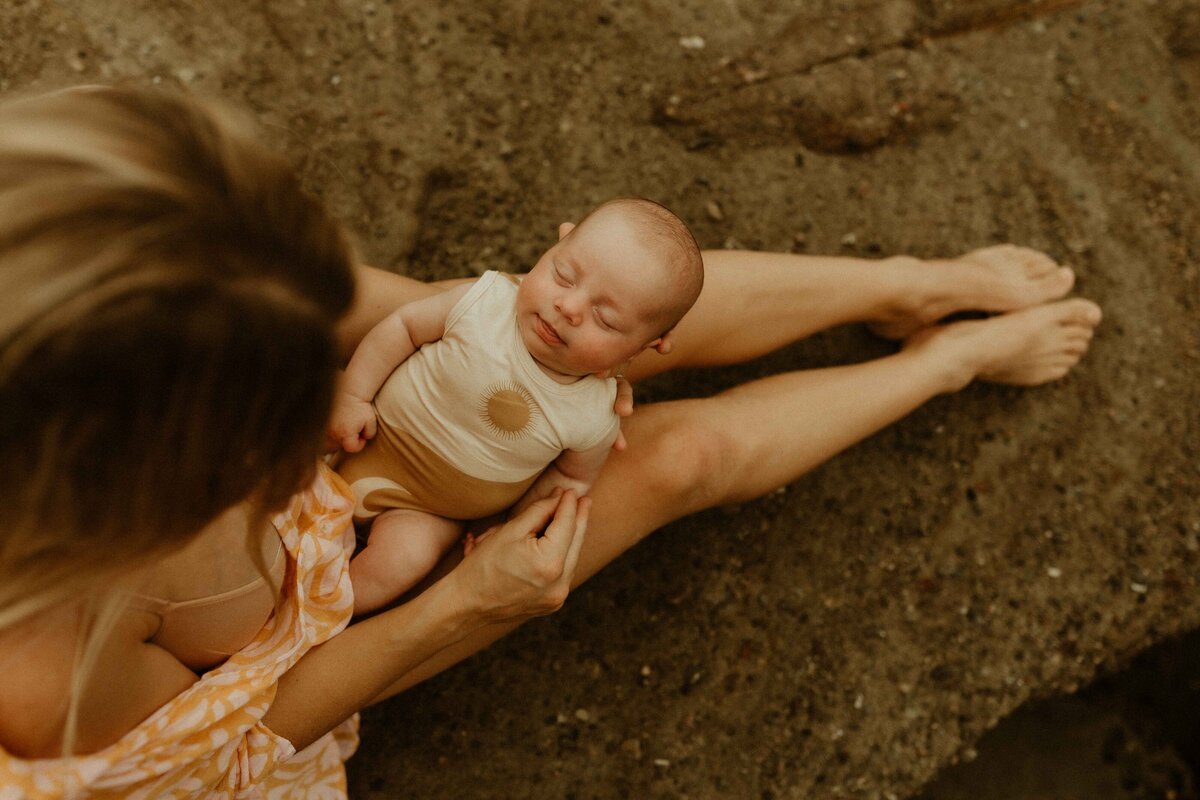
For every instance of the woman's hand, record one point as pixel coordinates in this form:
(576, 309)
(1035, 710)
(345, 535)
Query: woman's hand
(524, 567)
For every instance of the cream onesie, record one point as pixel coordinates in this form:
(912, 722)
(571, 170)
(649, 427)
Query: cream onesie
(468, 422)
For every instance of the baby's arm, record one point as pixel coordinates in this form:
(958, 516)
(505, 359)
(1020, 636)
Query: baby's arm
(384, 348)
(573, 469)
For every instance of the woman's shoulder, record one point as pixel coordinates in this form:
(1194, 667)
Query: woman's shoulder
(35, 680)
(127, 681)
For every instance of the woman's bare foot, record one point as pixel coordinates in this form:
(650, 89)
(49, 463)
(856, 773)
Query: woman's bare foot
(1025, 348)
(1000, 278)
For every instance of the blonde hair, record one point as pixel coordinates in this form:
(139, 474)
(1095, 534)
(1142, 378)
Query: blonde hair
(167, 342)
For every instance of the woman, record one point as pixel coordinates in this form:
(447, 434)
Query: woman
(173, 586)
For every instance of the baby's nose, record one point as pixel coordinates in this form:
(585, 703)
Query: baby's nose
(571, 306)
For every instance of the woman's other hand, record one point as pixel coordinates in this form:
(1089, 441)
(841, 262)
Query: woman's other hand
(524, 567)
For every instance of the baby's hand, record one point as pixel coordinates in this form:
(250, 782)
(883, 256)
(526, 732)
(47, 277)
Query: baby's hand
(352, 422)
(470, 541)
(623, 407)
(623, 403)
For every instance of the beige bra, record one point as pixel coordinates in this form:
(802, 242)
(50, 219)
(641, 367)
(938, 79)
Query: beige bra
(204, 631)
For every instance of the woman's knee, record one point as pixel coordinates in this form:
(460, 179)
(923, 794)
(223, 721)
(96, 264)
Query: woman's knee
(693, 461)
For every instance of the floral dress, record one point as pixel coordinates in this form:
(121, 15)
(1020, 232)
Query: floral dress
(209, 741)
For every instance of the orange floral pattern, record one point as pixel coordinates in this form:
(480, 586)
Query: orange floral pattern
(209, 741)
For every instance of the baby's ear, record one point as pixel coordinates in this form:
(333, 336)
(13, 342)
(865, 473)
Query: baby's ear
(662, 345)
(564, 228)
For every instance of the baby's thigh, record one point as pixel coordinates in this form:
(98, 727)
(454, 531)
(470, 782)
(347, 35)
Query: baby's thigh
(410, 534)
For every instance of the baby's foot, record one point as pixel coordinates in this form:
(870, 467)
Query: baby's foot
(1024, 348)
(1000, 278)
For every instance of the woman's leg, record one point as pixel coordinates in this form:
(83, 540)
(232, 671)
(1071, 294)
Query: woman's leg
(689, 455)
(753, 303)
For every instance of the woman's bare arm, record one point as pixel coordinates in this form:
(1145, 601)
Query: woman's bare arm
(513, 574)
(339, 677)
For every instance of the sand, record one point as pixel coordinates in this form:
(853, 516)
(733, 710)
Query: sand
(854, 633)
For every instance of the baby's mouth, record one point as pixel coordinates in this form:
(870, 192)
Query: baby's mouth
(546, 332)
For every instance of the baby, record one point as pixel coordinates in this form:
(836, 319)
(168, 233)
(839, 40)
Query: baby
(502, 391)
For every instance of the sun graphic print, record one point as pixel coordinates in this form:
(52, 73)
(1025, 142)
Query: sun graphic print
(508, 409)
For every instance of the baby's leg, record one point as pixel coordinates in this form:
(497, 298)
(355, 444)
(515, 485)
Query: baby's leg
(404, 545)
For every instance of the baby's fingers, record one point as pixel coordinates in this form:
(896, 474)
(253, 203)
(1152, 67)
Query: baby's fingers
(581, 522)
(623, 404)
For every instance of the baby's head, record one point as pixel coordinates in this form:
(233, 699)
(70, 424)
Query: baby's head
(613, 285)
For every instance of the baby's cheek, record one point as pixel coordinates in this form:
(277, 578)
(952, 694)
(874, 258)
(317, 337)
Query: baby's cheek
(614, 356)
(587, 356)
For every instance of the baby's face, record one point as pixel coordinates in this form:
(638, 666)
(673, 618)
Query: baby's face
(594, 300)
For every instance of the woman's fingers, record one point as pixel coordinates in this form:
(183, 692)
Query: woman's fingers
(525, 567)
(534, 517)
